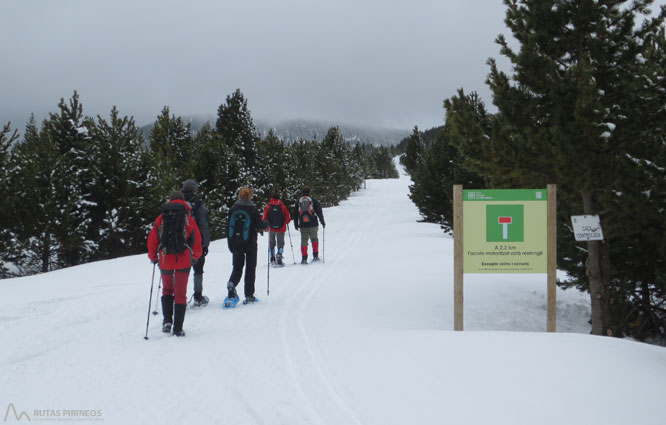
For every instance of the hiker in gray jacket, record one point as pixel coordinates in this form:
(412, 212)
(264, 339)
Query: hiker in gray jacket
(200, 214)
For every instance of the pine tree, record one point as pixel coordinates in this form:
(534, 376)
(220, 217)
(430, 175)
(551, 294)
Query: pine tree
(414, 151)
(384, 165)
(36, 177)
(126, 187)
(235, 127)
(277, 171)
(212, 174)
(333, 181)
(74, 174)
(571, 114)
(9, 202)
(444, 165)
(172, 145)
(304, 157)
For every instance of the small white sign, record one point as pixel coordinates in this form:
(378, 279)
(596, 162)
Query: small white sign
(587, 228)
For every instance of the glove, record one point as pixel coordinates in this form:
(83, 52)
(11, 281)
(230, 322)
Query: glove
(155, 261)
(194, 261)
(204, 251)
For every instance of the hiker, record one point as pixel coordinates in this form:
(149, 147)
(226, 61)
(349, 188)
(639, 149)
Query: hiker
(308, 209)
(242, 228)
(175, 252)
(200, 214)
(277, 216)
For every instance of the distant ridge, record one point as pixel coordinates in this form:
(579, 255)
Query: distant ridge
(294, 130)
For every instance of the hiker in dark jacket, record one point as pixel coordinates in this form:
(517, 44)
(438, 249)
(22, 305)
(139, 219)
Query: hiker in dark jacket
(308, 210)
(277, 216)
(244, 251)
(175, 268)
(200, 214)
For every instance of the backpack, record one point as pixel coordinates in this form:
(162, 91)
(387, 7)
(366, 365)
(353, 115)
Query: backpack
(196, 204)
(275, 217)
(239, 226)
(173, 232)
(305, 210)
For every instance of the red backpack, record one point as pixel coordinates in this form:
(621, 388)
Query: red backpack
(305, 211)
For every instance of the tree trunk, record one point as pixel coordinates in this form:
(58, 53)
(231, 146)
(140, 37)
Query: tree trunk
(46, 253)
(611, 325)
(597, 301)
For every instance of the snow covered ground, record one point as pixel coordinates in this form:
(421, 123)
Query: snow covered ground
(365, 338)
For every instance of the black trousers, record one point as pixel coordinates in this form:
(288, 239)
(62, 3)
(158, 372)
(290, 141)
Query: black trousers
(245, 256)
(198, 267)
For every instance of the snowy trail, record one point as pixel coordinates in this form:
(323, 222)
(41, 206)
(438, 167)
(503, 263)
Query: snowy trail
(364, 339)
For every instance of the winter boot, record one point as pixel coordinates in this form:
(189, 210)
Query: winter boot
(231, 290)
(249, 300)
(179, 318)
(167, 311)
(304, 260)
(315, 256)
(279, 259)
(200, 300)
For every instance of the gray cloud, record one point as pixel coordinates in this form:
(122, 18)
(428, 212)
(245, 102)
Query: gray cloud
(378, 63)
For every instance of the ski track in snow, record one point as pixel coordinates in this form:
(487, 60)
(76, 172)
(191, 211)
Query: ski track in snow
(293, 344)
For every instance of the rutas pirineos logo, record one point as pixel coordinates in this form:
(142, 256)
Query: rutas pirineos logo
(17, 416)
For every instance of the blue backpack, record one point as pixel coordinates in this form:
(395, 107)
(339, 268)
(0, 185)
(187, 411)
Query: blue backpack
(239, 227)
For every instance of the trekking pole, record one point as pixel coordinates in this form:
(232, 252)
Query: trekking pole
(150, 300)
(268, 273)
(291, 244)
(323, 247)
(157, 295)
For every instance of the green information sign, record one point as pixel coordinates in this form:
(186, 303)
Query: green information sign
(505, 231)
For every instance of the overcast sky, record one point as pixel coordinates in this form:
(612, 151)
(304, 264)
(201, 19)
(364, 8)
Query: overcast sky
(384, 63)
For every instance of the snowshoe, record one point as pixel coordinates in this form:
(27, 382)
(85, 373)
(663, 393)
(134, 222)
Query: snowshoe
(230, 302)
(166, 327)
(200, 300)
(179, 332)
(250, 300)
(316, 259)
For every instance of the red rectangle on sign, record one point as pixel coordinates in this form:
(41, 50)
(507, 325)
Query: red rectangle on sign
(504, 220)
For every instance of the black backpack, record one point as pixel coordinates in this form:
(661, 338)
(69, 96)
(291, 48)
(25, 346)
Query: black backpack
(173, 232)
(196, 204)
(275, 217)
(305, 212)
(239, 227)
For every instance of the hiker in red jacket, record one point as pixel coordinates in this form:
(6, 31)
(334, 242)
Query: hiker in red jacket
(277, 216)
(175, 256)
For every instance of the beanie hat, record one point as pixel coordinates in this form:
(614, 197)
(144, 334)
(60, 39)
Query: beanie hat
(306, 191)
(190, 185)
(276, 195)
(176, 195)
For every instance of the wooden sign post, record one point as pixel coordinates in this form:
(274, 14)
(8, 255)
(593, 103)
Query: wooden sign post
(505, 231)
